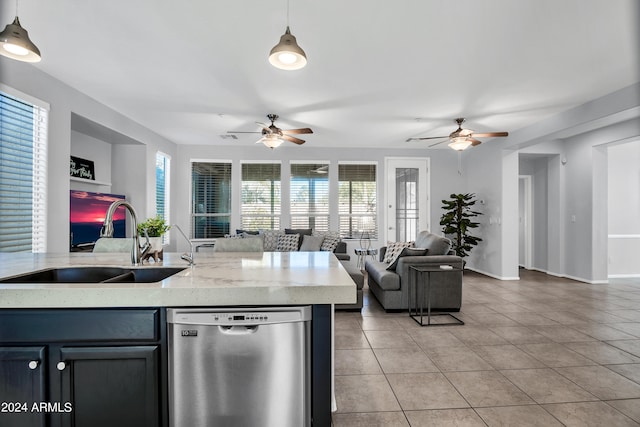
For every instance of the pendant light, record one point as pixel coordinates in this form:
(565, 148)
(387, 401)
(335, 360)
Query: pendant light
(287, 55)
(15, 43)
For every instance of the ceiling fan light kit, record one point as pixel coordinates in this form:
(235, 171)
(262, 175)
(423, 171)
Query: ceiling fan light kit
(287, 55)
(460, 143)
(271, 140)
(15, 43)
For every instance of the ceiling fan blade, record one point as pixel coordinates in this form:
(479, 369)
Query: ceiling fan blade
(265, 127)
(423, 139)
(438, 143)
(297, 131)
(293, 139)
(488, 134)
(474, 141)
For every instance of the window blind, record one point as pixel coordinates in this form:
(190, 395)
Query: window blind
(357, 200)
(163, 169)
(23, 176)
(310, 196)
(210, 199)
(261, 205)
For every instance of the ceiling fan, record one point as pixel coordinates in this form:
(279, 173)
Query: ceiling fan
(273, 136)
(461, 139)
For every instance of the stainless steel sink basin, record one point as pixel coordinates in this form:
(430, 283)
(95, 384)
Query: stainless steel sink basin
(95, 275)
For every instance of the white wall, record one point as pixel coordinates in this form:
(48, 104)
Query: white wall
(573, 141)
(64, 100)
(624, 209)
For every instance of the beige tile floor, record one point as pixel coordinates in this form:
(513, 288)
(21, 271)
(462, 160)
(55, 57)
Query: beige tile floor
(541, 351)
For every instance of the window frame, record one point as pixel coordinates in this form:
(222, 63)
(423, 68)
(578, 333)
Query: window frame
(38, 165)
(354, 233)
(193, 215)
(322, 210)
(166, 190)
(275, 202)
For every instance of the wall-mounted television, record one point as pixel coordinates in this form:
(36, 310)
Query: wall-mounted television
(87, 211)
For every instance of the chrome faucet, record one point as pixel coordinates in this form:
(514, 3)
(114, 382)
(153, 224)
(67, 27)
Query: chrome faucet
(187, 257)
(137, 251)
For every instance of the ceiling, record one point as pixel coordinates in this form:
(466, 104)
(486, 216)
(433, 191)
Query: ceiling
(378, 72)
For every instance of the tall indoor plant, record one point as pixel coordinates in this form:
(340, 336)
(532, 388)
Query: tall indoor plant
(457, 222)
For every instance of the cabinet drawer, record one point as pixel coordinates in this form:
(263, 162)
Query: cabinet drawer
(33, 326)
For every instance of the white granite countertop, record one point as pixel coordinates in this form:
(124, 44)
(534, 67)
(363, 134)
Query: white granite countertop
(225, 279)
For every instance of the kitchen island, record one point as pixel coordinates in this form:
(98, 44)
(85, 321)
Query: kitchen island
(54, 325)
(220, 279)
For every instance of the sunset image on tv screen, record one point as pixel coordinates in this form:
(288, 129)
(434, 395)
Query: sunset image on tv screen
(87, 211)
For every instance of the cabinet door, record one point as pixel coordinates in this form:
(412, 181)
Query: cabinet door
(110, 386)
(22, 382)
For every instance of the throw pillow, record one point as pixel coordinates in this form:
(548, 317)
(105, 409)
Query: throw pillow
(331, 240)
(247, 232)
(287, 243)
(311, 243)
(271, 239)
(300, 231)
(394, 249)
(407, 252)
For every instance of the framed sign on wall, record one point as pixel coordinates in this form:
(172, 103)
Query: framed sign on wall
(82, 168)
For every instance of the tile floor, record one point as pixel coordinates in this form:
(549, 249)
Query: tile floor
(541, 351)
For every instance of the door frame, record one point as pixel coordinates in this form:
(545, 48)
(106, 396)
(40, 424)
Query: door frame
(390, 163)
(528, 220)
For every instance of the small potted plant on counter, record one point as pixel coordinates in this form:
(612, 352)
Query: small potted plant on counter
(155, 227)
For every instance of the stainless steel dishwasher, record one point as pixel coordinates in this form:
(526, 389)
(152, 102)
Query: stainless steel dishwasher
(239, 367)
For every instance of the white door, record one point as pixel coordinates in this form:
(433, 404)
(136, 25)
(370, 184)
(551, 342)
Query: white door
(406, 198)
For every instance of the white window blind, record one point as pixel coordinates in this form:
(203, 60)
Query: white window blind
(210, 199)
(261, 206)
(357, 200)
(163, 171)
(310, 196)
(23, 176)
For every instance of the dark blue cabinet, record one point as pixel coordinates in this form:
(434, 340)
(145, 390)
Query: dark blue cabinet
(22, 381)
(83, 368)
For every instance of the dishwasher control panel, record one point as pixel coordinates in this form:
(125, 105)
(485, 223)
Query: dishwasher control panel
(231, 317)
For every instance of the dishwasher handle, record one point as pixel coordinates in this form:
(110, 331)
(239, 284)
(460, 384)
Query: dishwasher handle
(238, 329)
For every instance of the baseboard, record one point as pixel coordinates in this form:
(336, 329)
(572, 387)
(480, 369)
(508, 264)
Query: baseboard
(484, 273)
(577, 279)
(550, 273)
(583, 280)
(623, 276)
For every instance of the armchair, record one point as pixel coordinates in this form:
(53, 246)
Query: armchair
(391, 287)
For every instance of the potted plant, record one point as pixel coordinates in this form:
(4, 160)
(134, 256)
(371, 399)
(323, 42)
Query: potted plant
(155, 227)
(457, 222)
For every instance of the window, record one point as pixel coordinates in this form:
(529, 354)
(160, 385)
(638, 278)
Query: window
(163, 166)
(23, 175)
(210, 200)
(407, 207)
(310, 196)
(260, 207)
(357, 195)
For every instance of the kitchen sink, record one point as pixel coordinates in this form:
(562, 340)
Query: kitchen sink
(95, 275)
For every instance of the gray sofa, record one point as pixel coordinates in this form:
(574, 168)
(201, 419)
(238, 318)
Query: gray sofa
(391, 288)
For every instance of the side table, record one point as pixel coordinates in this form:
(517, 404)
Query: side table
(421, 278)
(362, 255)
